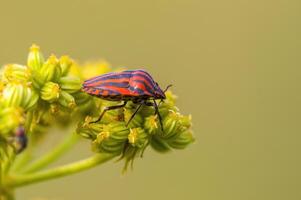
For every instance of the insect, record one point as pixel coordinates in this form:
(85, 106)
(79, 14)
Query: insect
(131, 85)
(19, 140)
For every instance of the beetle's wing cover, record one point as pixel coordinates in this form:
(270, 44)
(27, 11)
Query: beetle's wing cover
(120, 79)
(115, 83)
(141, 83)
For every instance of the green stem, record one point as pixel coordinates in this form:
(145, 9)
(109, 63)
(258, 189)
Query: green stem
(72, 168)
(54, 154)
(6, 194)
(22, 160)
(7, 162)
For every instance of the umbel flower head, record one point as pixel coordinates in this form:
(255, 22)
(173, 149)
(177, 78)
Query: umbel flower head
(111, 134)
(47, 91)
(41, 91)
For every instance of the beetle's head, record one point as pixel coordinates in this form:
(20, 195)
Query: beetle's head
(159, 93)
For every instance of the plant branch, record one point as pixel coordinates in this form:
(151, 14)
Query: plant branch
(54, 154)
(22, 160)
(65, 170)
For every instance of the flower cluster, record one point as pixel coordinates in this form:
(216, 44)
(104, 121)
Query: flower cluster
(39, 93)
(48, 91)
(112, 135)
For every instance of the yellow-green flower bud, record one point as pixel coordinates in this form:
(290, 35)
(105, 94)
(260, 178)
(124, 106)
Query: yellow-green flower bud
(65, 63)
(51, 70)
(13, 94)
(85, 133)
(137, 137)
(66, 99)
(87, 108)
(35, 58)
(152, 125)
(16, 73)
(172, 125)
(16, 94)
(144, 111)
(70, 84)
(10, 118)
(111, 115)
(186, 121)
(82, 97)
(89, 130)
(170, 97)
(129, 155)
(37, 80)
(182, 140)
(50, 92)
(30, 98)
(168, 104)
(112, 138)
(159, 144)
(85, 102)
(137, 121)
(167, 107)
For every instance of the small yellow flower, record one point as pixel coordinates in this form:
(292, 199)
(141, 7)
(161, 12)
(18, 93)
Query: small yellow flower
(50, 91)
(10, 118)
(137, 137)
(151, 124)
(111, 138)
(102, 136)
(16, 73)
(132, 136)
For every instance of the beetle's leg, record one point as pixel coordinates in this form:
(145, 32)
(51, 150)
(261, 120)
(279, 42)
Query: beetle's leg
(162, 101)
(109, 108)
(142, 102)
(133, 115)
(156, 111)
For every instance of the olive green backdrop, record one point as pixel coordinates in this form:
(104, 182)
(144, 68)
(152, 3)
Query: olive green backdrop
(235, 66)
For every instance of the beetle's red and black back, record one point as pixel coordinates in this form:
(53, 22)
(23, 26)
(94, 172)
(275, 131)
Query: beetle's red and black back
(128, 85)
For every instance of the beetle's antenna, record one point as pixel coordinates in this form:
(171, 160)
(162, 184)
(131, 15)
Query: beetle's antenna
(167, 87)
(162, 100)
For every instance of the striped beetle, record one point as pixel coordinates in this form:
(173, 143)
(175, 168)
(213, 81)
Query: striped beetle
(131, 85)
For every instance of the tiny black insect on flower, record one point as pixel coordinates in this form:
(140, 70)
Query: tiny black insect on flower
(19, 140)
(131, 85)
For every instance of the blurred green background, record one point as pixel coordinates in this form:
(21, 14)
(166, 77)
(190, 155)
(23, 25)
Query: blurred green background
(235, 66)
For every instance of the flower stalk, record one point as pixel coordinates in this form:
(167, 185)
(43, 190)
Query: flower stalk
(53, 155)
(15, 181)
